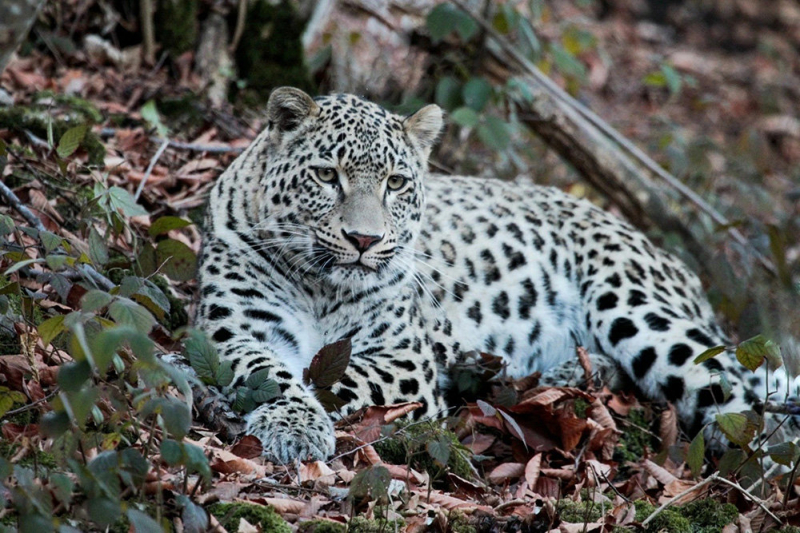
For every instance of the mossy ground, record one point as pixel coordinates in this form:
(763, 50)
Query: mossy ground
(411, 439)
(229, 515)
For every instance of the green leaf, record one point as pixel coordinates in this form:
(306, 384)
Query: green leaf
(51, 328)
(61, 486)
(193, 516)
(98, 250)
(6, 225)
(244, 402)
(105, 511)
(329, 401)
(105, 344)
(71, 140)
(466, 27)
(165, 224)
(567, 63)
(81, 403)
(785, 453)
(708, 354)
(54, 423)
(441, 21)
(370, 484)
(255, 379)
(171, 452)
(177, 417)
(736, 427)
(58, 262)
(123, 201)
(21, 264)
(50, 240)
(266, 391)
(146, 293)
(142, 523)
(752, 352)
(655, 79)
(202, 355)
(72, 376)
(329, 364)
(476, 93)
(150, 114)
(94, 300)
(178, 260)
(128, 313)
(448, 93)
(196, 460)
(672, 79)
(439, 450)
(225, 374)
(495, 133)
(8, 398)
(465, 116)
(696, 454)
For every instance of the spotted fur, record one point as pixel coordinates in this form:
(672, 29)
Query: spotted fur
(328, 226)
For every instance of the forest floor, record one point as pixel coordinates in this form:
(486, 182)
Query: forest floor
(110, 162)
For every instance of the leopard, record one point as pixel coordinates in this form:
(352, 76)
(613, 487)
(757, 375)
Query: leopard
(330, 226)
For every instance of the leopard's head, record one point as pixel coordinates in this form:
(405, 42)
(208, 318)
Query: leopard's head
(342, 195)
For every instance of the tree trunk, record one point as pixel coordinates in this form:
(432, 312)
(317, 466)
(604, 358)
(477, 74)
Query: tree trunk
(16, 19)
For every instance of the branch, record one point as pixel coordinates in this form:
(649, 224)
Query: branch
(591, 127)
(16, 204)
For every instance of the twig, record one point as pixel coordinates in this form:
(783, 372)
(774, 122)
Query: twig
(560, 95)
(710, 479)
(241, 18)
(757, 501)
(713, 477)
(212, 149)
(17, 205)
(153, 161)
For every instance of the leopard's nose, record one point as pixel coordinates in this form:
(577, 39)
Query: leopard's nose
(360, 241)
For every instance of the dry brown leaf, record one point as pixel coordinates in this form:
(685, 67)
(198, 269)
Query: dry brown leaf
(450, 503)
(601, 415)
(506, 472)
(479, 442)
(533, 469)
(368, 455)
(580, 528)
(560, 473)
(586, 365)
(284, 505)
(668, 428)
(679, 486)
(660, 473)
(314, 470)
(572, 429)
(548, 397)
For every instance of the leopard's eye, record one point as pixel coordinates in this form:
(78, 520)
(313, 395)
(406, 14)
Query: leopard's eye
(395, 183)
(326, 174)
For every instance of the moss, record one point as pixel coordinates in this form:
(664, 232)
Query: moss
(20, 119)
(667, 520)
(34, 457)
(229, 515)
(359, 524)
(788, 529)
(709, 516)
(634, 441)
(458, 523)
(270, 53)
(321, 526)
(414, 437)
(176, 25)
(578, 512)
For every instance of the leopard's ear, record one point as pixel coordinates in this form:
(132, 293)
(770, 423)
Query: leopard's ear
(288, 107)
(425, 125)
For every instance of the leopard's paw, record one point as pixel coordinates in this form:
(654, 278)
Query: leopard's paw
(290, 431)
